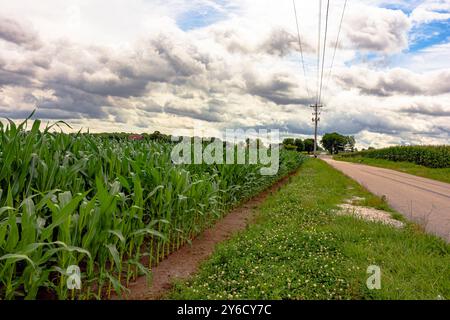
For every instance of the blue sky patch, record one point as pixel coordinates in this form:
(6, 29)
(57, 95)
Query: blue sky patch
(426, 35)
(406, 9)
(199, 18)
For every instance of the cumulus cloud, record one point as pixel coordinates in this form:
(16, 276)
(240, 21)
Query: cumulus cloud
(395, 81)
(242, 71)
(377, 29)
(13, 78)
(433, 110)
(277, 41)
(430, 11)
(352, 123)
(212, 111)
(279, 89)
(19, 34)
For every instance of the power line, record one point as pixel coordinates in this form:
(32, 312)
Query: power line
(301, 48)
(336, 45)
(318, 52)
(324, 50)
(316, 106)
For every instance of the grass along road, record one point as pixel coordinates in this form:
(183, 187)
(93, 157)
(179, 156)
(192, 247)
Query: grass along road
(422, 200)
(440, 174)
(300, 249)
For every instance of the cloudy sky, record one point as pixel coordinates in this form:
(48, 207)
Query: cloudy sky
(145, 65)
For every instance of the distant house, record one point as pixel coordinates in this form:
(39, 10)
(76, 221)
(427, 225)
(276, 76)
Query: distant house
(135, 137)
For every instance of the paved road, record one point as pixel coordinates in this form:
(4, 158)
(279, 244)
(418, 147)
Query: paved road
(422, 200)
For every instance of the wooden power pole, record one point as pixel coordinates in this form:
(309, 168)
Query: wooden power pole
(316, 119)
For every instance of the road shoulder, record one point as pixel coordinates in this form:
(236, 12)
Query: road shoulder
(299, 248)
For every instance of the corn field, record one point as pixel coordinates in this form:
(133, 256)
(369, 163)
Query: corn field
(113, 207)
(428, 156)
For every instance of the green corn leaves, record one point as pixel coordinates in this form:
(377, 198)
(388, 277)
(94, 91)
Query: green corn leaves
(105, 204)
(428, 156)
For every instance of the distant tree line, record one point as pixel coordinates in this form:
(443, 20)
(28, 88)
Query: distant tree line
(335, 143)
(160, 137)
(299, 145)
(332, 142)
(156, 136)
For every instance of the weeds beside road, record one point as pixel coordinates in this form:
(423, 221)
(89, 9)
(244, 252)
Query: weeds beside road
(300, 249)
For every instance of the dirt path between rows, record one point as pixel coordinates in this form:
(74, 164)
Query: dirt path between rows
(185, 261)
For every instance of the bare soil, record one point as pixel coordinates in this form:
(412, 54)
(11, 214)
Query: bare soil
(369, 214)
(183, 263)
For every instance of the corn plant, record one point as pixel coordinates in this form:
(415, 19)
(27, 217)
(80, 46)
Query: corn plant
(112, 207)
(428, 156)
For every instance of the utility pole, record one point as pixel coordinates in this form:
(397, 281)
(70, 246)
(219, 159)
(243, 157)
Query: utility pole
(316, 119)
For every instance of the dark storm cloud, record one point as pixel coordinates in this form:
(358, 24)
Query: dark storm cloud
(121, 78)
(157, 61)
(13, 78)
(432, 110)
(66, 81)
(14, 32)
(395, 81)
(50, 114)
(298, 127)
(84, 82)
(387, 86)
(13, 113)
(149, 106)
(348, 124)
(88, 81)
(123, 87)
(214, 112)
(76, 102)
(353, 123)
(278, 89)
(443, 130)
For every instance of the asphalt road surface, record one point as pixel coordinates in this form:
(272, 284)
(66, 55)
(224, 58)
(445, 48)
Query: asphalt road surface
(425, 201)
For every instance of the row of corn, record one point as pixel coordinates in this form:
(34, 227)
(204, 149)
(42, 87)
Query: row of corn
(111, 207)
(428, 156)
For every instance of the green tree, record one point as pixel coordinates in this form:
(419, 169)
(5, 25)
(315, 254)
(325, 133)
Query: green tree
(334, 142)
(308, 145)
(288, 141)
(289, 144)
(300, 145)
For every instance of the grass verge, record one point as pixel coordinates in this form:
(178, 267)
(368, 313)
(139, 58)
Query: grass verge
(299, 249)
(440, 174)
